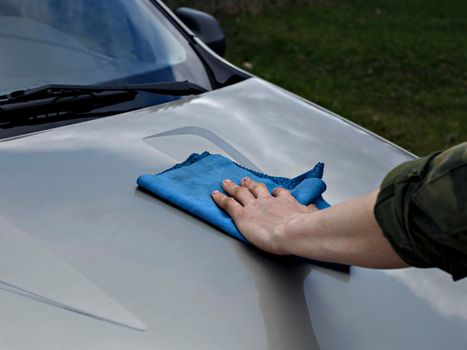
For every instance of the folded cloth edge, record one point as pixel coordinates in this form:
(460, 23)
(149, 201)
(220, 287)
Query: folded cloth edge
(316, 172)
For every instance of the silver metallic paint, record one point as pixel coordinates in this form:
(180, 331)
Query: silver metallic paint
(73, 189)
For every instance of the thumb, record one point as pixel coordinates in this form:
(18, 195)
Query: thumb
(312, 208)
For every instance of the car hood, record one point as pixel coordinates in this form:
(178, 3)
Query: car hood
(88, 261)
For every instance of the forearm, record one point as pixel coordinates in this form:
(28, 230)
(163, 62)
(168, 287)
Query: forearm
(346, 233)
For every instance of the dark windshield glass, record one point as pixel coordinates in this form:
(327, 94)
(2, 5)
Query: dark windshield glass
(91, 42)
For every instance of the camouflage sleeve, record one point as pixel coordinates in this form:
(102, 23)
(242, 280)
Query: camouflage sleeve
(422, 210)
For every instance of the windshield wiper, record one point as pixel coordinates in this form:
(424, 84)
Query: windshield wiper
(173, 88)
(55, 101)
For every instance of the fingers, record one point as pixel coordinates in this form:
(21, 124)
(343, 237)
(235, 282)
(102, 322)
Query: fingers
(279, 191)
(237, 197)
(258, 189)
(230, 205)
(240, 193)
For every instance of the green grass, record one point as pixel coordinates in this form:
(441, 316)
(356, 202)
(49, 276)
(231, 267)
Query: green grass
(396, 67)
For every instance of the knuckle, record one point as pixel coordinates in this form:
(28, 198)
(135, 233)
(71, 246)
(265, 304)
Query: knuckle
(229, 202)
(238, 190)
(241, 214)
(278, 190)
(223, 201)
(257, 186)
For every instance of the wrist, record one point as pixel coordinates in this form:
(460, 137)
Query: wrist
(298, 232)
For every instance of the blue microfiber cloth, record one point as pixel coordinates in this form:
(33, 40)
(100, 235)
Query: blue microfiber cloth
(189, 184)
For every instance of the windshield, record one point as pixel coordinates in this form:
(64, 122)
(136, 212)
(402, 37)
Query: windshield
(91, 42)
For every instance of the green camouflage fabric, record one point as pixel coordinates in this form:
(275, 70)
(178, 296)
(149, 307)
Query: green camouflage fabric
(422, 210)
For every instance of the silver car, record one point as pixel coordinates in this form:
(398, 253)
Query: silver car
(95, 93)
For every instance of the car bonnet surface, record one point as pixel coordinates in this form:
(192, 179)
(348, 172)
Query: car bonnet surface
(136, 262)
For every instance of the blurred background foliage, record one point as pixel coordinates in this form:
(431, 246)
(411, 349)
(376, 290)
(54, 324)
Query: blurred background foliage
(222, 8)
(396, 67)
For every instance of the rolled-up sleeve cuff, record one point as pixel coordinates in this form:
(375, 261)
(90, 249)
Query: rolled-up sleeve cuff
(392, 206)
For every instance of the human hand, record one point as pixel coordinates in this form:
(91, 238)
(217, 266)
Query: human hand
(265, 219)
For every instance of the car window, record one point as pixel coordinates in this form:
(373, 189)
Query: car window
(91, 42)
